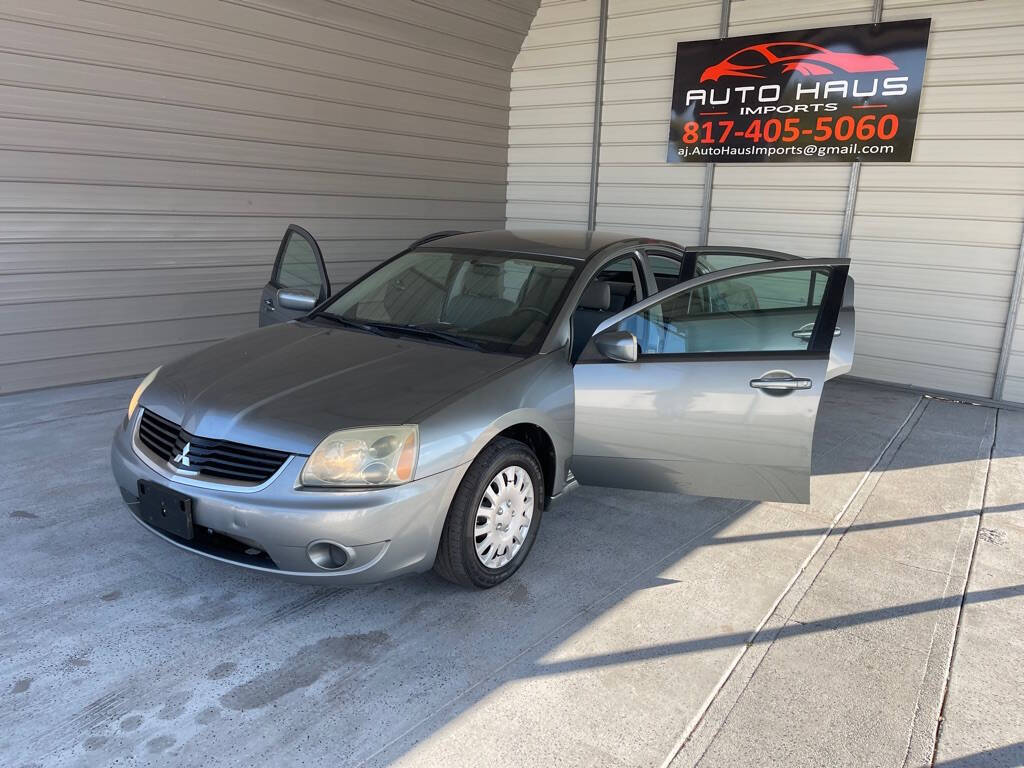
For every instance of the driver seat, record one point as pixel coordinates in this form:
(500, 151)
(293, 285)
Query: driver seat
(594, 307)
(480, 299)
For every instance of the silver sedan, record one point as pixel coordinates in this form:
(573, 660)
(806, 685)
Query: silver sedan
(428, 413)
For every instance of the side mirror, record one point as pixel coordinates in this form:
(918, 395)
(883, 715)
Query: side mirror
(288, 298)
(618, 345)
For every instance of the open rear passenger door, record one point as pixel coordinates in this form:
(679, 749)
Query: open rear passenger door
(712, 387)
(299, 279)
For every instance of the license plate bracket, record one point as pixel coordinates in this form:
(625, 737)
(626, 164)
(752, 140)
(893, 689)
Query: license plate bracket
(166, 509)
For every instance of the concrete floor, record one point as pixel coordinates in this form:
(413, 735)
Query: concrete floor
(644, 630)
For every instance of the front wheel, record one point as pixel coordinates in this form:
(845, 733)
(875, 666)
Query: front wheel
(494, 516)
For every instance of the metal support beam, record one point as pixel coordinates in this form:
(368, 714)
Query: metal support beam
(705, 206)
(854, 183)
(1011, 324)
(723, 19)
(709, 170)
(851, 205)
(595, 151)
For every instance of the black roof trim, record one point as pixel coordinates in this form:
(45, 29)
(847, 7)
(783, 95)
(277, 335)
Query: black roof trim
(743, 251)
(433, 236)
(577, 244)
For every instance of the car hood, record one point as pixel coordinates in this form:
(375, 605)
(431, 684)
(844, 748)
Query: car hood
(288, 386)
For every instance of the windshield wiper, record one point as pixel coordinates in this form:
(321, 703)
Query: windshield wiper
(352, 323)
(432, 333)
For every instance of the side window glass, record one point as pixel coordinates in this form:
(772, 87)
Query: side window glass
(713, 262)
(761, 312)
(622, 276)
(748, 57)
(782, 50)
(666, 269)
(299, 268)
(611, 290)
(819, 279)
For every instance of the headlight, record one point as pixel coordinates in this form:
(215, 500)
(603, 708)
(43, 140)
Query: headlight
(364, 457)
(134, 402)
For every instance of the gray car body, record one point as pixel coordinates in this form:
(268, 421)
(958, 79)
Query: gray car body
(287, 386)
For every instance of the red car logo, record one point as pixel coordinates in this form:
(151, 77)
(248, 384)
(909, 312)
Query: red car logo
(805, 58)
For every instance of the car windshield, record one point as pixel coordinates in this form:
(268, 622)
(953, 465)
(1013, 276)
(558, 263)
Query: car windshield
(491, 301)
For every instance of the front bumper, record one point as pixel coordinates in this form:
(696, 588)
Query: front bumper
(385, 531)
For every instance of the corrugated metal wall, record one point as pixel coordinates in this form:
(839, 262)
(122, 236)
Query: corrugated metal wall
(934, 242)
(153, 151)
(551, 123)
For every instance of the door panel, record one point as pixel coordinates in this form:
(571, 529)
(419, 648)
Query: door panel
(299, 266)
(697, 428)
(723, 397)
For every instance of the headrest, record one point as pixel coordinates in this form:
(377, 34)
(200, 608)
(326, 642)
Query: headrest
(482, 280)
(598, 296)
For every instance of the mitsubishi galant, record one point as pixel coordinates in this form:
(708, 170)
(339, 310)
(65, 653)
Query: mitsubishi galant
(427, 414)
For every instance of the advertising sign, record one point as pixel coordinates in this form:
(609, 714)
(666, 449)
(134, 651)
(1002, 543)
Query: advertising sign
(832, 94)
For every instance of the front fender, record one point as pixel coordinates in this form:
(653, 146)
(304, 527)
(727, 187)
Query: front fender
(537, 391)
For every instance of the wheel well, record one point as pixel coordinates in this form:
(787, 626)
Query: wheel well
(538, 440)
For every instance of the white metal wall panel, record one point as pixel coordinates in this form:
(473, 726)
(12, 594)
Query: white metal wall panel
(552, 117)
(153, 151)
(792, 207)
(639, 191)
(935, 242)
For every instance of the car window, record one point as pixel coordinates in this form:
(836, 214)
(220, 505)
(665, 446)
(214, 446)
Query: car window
(713, 262)
(623, 276)
(783, 50)
(299, 268)
(748, 57)
(667, 269)
(503, 303)
(760, 312)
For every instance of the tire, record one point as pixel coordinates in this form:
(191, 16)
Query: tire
(457, 558)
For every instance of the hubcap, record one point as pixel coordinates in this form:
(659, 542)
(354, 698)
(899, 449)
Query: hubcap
(503, 517)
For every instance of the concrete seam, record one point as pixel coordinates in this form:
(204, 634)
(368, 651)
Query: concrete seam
(963, 597)
(950, 574)
(698, 719)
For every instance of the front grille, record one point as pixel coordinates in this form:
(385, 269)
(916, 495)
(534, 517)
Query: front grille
(210, 457)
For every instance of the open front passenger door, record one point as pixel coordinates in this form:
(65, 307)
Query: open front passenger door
(299, 280)
(712, 387)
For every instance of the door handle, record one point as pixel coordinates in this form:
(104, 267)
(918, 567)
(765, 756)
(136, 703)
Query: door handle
(805, 333)
(781, 384)
(269, 305)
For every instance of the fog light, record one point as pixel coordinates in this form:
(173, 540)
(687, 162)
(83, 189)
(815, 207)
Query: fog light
(327, 555)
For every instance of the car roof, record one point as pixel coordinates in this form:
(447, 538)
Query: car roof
(575, 244)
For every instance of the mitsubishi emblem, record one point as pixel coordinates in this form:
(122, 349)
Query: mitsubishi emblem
(182, 458)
